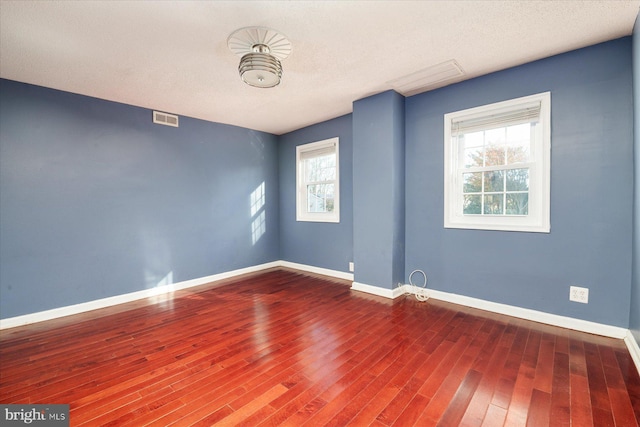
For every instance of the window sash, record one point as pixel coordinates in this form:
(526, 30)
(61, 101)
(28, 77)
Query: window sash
(507, 195)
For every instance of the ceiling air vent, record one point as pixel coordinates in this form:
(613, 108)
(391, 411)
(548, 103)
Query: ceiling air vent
(433, 77)
(165, 119)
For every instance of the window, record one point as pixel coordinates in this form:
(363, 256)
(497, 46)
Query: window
(497, 166)
(318, 185)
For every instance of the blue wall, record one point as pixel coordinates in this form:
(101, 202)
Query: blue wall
(634, 319)
(97, 201)
(591, 191)
(325, 245)
(378, 190)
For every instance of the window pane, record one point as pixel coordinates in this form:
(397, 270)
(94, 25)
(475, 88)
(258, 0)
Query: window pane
(494, 152)
(519, 133)
(517, 180)
(517, 154)
(311, 169)
(320, 198)
(517, 204)
(493, 204)
(472, 205)
(518, 143)
(493, 181)
(495, 136)
(473, 149)
(494, 155)
(473, 157)
(472, 182)
(322, 168)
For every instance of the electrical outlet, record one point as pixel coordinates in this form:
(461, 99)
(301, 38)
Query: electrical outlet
(351, 267)
(578, 294)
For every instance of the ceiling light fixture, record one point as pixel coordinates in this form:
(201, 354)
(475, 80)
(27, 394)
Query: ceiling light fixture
(261, 50)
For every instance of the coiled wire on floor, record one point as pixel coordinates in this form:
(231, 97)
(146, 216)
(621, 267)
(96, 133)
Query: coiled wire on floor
(420, 292)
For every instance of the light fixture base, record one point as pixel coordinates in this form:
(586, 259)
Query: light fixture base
(242, 41)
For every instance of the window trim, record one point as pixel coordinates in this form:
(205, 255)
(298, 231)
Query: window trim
(301, 194)
(538, 219)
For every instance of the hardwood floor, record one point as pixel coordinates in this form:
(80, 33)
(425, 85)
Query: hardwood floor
(285, 348)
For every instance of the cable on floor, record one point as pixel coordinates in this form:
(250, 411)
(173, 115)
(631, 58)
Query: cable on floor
(420, 292)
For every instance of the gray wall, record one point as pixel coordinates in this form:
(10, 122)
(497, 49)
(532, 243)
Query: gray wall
(325, 245)
(591, 191)
(97, 201)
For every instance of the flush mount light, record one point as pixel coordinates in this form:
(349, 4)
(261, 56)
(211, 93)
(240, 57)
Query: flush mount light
(261, 50)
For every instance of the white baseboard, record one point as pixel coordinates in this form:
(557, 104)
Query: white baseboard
(41, 316)
(634, 350)
(316, 270)
(534, 315)
(374, 290)
(510, 310)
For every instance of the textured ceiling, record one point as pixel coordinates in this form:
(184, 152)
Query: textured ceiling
(173, 56)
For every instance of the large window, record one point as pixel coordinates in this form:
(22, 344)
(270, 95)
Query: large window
(318, 185)
(497, 166)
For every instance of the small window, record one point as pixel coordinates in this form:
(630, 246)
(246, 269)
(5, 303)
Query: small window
(497, 166)
(318, 185)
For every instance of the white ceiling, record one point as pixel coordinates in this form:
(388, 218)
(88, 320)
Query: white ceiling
(173, 56)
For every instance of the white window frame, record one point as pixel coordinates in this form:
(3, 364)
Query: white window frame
(538, 217)
(321, 147)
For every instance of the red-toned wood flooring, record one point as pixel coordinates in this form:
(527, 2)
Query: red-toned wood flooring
(285, 348)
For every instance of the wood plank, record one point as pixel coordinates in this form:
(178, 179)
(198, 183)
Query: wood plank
(523, 387)
(494, 417)
(581, 413)
(458, 405)
(600, 401)
(631, 378)
(538, 413)
(560, 394)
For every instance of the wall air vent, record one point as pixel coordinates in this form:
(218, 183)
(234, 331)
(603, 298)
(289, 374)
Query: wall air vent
(165, 119)
(433, 77)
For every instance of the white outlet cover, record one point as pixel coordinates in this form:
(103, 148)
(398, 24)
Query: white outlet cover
(579, 294)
